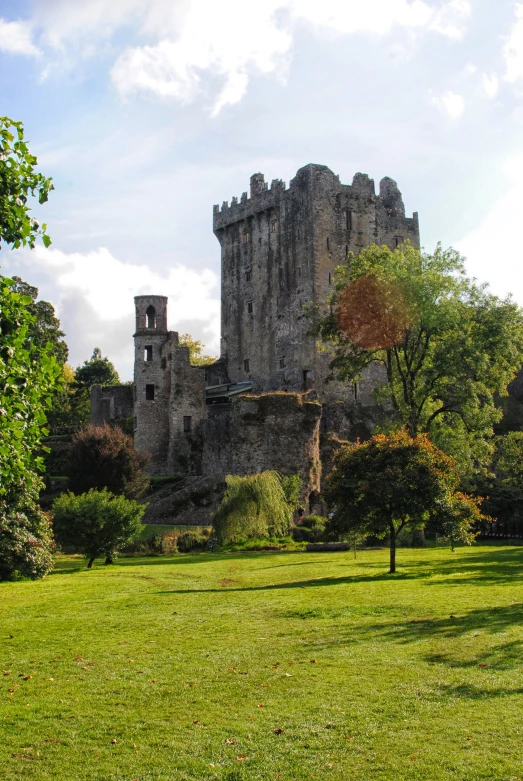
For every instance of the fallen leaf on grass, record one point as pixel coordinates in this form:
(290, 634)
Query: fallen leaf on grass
(313, 661)
(230, 742)
(415, 757)
(25, 677)
(241, 757)
(78, 659)
(114, 740)
(23, 756)
(261, 705)
(278, 731)
(196, 722)
(482, 665)
(7, 672)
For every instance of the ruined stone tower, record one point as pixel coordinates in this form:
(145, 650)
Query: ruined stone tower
(279, 250)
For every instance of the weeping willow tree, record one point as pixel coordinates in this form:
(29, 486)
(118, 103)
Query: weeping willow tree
(256, 506)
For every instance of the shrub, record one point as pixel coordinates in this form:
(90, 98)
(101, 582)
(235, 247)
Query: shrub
(25, 543)
(96, 523)
(104, 457)
(189, 541)
(311, 529)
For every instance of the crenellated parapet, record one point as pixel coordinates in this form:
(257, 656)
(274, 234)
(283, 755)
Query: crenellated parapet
(262, 197)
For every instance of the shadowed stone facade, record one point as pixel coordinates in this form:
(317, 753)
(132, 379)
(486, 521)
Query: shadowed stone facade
(279, 250)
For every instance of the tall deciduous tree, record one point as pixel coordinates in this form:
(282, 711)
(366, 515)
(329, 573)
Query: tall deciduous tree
(393, 481)
(447, 346)
(28, 371)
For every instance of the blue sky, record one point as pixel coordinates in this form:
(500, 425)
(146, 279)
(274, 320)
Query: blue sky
(147, 112)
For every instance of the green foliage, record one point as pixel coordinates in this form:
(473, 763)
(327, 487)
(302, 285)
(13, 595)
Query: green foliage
(196, 355)
(393, 481)
(447, 346)
(253, 506)
(291, 488)
(96, 523)
(104, 457)
(28, 378)
(311, 529)
(191, 541)
(18, 182)
(26, 540)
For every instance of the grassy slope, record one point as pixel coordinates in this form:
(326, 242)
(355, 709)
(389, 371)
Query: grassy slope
(172, 658)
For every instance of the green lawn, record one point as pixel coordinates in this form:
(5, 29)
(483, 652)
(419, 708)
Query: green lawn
(266, 666)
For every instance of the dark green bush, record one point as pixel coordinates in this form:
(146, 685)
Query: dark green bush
(190, 541)
(311, 529)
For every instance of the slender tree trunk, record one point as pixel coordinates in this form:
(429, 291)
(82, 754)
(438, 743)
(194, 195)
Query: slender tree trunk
(392, 549)
(91, 560)
(109, 559)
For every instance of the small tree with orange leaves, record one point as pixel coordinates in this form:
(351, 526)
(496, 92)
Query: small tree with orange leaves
(391, 481)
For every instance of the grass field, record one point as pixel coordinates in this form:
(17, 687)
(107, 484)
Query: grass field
(266, 666)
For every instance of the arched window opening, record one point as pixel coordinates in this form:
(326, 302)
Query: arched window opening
(150, 317)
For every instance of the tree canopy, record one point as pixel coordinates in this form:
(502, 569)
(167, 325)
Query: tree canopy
(19, 181)
(196, 354)
(391, 481)
(447, 346)
(98, 370)
(29, 368)
(104, 457)
(259, 505)
(96, 523)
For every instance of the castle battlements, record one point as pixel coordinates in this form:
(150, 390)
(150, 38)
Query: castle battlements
(263, 198)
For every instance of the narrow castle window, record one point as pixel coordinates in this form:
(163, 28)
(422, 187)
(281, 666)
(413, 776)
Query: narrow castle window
(355, 391)
(148, 352)
(348, 220)
(247, 276)
(328, 243)
(249, 307)
(150, 317)
(282, 362)
(397, 241)
(187, 420)
(299, 271)
(246, 366)
(273, 227)
(135, 423)
(149, 392)
(330, 278)
(245, 237)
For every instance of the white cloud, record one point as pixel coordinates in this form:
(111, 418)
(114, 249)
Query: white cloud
(94, 294)
(16, 38)
(513, 49)
(490, 85)
(450, 103)
(201, 47)
(493, 249)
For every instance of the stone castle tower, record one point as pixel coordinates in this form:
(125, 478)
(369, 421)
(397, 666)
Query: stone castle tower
(279, 250)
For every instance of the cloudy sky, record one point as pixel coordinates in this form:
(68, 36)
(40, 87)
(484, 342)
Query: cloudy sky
(147, 112)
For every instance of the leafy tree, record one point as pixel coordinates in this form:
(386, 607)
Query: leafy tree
(18, 181)
(96, 523)
(196, 355)
(393, 481)
(447, 346)
(98, 370)
(46, 326)
(253, 506)
(104, 457)
(28, 372)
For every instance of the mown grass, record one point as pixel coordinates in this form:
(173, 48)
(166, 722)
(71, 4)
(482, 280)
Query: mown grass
(266, 666)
